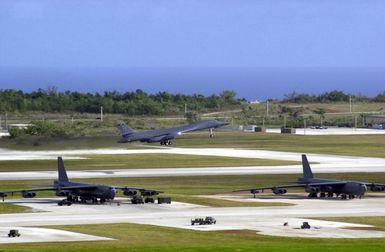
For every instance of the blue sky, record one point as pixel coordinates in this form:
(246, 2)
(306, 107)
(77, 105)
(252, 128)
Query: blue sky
(66, 34)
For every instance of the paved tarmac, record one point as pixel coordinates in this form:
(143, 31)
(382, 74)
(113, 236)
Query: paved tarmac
(333, 131)
(34, 234)
(264, 220)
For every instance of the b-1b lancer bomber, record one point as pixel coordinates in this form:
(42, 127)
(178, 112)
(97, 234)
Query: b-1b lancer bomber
(82, 192)
(164, 136)
(323, 187)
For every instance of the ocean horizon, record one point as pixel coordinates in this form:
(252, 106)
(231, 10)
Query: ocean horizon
(258, 83)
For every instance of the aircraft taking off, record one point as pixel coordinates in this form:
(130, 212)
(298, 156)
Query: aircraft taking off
(323, 187)
(164, 136)
(81, 191)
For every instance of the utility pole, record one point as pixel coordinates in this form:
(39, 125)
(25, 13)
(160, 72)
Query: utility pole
(101, 113)
(267, 108)
(304, 126)
(185, 108)
(350, 103)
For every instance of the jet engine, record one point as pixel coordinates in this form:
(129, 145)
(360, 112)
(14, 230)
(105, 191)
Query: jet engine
(62, 193)
(278, 191)
(149, 193)
(129, 192)
(311, 189)
(377, 188)
(28, 194)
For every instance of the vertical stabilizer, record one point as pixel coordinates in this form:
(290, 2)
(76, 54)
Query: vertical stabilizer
(307, 173)
(124, 129)
(61, 170)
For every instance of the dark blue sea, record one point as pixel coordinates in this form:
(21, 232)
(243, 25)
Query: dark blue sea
(250, 83)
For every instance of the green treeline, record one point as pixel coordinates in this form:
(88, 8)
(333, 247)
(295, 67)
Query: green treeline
(130, 103)
(333, 96)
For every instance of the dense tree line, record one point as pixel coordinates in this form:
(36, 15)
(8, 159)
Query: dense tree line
(131, 103)
(333, 96)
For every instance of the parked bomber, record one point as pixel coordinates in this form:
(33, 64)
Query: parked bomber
(323, 187)
(164, 136)
(82, 192)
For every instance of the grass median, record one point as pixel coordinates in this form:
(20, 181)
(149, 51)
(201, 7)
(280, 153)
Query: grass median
(138, 161)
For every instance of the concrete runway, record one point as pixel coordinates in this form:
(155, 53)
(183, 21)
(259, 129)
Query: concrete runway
(34, 234)
(327, 163)
(332, 131)
(264, 220)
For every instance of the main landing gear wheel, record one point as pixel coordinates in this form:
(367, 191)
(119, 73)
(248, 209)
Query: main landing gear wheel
(168, 142)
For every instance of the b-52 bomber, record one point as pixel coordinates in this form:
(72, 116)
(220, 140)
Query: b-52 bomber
(82, 192)
(322, 187)
(164, 136)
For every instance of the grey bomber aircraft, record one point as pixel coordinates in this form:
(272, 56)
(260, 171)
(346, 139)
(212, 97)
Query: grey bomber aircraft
(164, 136)
(81, 191)
(323, 187)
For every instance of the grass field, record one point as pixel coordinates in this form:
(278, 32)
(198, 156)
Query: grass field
(132, 237)
(6, 208)
(355, 145)
(134, 161)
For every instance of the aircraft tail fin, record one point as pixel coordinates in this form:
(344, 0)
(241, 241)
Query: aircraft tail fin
(124, 129)
(307, 173)
(61, 170)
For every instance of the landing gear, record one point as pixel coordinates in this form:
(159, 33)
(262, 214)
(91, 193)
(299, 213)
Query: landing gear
(168, 142)
(344, 196)
(312, 195)
(211, 133)
(72, 198)
(330, 195)
(322, 195)
(148, 200)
